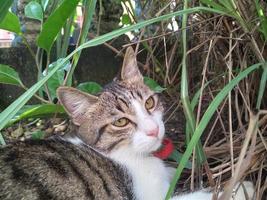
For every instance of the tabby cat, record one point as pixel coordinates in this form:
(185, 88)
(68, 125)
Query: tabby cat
(110, 156)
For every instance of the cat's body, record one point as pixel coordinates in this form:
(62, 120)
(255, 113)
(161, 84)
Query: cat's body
(112, 151)
(58, 169)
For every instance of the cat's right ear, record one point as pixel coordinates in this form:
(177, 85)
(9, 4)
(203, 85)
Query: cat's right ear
(76, 103)
(130, 72)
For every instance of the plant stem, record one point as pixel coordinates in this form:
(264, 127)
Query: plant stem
(46, 72)
(100, 13)
(88, 15)
(35, 95)
(59, 44)
(39, 63)
(190, 118)
(66, 37)
(262, 86)
(2, 140)
(28, 46)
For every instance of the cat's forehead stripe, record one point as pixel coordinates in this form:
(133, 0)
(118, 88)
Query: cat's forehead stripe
(124, 91)
(139, 94)
(119, 91)
(100, 133)
(123, 101)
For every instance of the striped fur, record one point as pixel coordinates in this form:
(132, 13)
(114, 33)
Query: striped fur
(114, 102)
(88, 166)
(132, 144)
(56, 169)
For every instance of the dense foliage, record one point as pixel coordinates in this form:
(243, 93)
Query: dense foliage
(201, 51)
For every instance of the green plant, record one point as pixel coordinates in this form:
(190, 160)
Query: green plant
(204, 122)
(4, 9)
(11, 110)
(55, 29)
(233, 30)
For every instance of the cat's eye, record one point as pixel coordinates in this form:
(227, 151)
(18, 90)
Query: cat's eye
(121, 122)
(149, 103)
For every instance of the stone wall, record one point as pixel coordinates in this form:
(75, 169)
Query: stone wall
(98, 64)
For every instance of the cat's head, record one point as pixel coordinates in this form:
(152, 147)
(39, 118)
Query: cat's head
(127, 114)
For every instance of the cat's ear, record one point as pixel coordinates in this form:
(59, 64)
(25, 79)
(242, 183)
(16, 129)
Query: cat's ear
(75, 102)
(130, 72)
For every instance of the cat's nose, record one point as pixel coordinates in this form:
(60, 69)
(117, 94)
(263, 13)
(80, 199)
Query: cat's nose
(153, 132)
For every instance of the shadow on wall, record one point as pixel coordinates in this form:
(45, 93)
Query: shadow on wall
(98, 64)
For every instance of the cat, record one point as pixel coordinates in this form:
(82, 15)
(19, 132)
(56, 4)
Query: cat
(57, 169)
(109, 157)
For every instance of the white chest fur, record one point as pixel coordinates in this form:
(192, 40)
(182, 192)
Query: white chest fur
(150, 177)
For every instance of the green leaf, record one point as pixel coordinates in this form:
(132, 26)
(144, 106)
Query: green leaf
(108, 36)
(213, 4)
(223, 6)
(262, 86)
(263, 19)
(229, 6)
(189, 115)
(5, 5)
(204, 122)
(13, 108)
(54, 23)
(38, 135)
(125, 19)
(153, 85)
(2, 141)
(11, 23)
(9, 76)
(90, 87)
(89, 6)
(34, 10)
(44, 4)
(176, 156)
(35, 111)
(57, 79)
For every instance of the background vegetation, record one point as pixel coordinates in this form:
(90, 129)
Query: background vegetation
(209, 55)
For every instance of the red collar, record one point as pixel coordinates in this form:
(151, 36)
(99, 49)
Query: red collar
(166, 149)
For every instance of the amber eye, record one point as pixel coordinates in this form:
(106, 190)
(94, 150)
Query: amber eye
(121, 122)
(150, 103)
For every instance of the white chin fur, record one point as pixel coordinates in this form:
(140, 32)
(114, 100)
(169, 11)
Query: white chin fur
(141, 143)
(144, 144)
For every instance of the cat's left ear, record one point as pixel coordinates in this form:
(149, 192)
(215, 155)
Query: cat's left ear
(130, 72)
(76, 103)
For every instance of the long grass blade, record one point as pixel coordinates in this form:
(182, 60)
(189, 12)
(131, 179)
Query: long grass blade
(13, 108)
(54, 23)
(5, 5)
(190, 118)
(89, 7)
(204, 122)
(2, 141)
(262, 86)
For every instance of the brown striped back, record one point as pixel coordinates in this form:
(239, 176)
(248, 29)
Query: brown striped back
(56, 169)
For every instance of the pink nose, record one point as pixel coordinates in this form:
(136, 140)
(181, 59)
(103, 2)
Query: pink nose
(153, 132)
